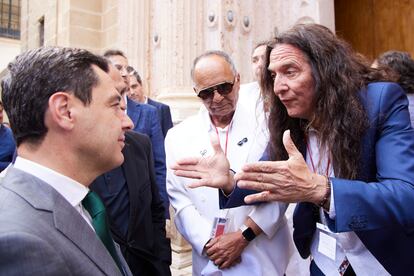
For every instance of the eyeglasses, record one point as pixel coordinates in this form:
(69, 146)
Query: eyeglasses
(128, 69)
(223, 88)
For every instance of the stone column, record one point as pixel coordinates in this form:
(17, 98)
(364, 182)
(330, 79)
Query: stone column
(176, 38)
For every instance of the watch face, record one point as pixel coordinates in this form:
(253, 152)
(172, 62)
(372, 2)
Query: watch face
(248, 234)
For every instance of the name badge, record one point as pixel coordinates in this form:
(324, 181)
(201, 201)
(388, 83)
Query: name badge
(219, 226)
(327, 244)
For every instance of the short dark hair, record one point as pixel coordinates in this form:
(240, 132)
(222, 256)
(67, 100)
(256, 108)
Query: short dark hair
(137, 76)
(36, 75)
(114, 52)
(402, 65)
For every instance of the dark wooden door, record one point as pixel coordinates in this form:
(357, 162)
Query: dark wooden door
(375, 26)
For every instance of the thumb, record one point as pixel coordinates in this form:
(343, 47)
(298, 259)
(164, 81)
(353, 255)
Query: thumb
(215, 143)
(289, 145)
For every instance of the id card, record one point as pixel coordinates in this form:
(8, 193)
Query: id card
(327, 243)
(219, 225)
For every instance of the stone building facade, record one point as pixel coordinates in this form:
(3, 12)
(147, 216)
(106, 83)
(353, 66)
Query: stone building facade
(162, 37)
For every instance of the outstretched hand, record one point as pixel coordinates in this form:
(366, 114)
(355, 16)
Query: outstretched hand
(212, 171)
(286, 181)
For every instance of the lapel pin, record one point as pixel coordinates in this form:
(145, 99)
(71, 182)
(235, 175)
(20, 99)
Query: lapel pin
(242, 141)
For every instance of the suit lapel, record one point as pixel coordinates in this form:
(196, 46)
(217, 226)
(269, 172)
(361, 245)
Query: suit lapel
(131, 177)
(82, 235)
(133, 111)
(65, 217)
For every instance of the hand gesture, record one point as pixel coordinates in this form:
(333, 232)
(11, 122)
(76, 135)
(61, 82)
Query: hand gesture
(285, 181)
(212, 171)
(225, 250)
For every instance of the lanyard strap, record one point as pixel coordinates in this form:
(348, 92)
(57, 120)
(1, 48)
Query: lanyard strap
(227, 137)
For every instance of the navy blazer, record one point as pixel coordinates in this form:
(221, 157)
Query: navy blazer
(379, 205)
(146, 121)
(145, 246)
(164, 114)
(7, 146)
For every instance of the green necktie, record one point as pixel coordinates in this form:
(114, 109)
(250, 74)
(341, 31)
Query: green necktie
(96, 209)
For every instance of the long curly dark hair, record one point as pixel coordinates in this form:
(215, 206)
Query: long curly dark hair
(402, 65)
(340, 119)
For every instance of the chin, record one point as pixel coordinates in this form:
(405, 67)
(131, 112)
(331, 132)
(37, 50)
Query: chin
(116, 162)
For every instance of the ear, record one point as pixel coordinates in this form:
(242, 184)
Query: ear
(238, 77)
(60, 110)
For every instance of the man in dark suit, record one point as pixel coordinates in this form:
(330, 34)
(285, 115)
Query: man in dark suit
(69, 123)
(136, 93)
(146, 121)
(136, 211)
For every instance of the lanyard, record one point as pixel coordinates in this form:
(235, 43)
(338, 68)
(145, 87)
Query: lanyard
(311, 159)
(227, 137)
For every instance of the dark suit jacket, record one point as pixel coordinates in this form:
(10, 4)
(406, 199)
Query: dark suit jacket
(146, 121)
(7, 146)
(42, 234)
(145, 246)
(379, 205)
(164, 114)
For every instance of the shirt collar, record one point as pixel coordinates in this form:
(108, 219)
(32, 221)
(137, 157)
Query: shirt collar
(71, 190)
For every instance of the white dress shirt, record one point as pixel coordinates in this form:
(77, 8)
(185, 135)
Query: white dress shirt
(347, 243)
(71, 190)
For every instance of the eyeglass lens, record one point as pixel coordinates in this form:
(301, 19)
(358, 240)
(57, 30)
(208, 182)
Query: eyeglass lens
(222, 89)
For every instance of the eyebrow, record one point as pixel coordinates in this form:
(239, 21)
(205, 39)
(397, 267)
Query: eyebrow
(285, 65)
(116, 97)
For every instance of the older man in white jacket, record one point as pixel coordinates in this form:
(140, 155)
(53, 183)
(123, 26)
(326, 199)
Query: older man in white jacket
(256, 239)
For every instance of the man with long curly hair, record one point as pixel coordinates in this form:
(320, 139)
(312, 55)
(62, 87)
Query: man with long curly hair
(343, 148)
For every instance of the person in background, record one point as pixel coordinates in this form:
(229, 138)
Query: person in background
(342, 147)
(137, 94)
(146, 121)
(7, 143)
(136, 211)
(250, 92)
(401, 65)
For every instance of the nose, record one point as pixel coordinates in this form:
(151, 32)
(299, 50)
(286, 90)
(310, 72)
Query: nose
(279, 85)
(126, 122)
(217, 97)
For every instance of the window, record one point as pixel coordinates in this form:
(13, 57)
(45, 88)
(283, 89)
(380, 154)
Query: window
(10, 18)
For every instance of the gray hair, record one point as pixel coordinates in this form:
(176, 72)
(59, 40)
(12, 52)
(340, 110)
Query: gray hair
(219, 53)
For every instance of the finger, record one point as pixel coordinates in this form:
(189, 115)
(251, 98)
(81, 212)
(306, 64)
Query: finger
(264, 166)
(280, 176)
(218, 262)
(186, 161)
(258, 186)
(188, 174)
(215, 143)
(261, 197)
(211, 242)
(230, 262)
(211, 251)
(201, 183)
(290, 147)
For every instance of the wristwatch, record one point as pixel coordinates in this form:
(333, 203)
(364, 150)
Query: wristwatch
(247, 233)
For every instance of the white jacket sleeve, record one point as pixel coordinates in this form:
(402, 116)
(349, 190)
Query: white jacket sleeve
(194, 228)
